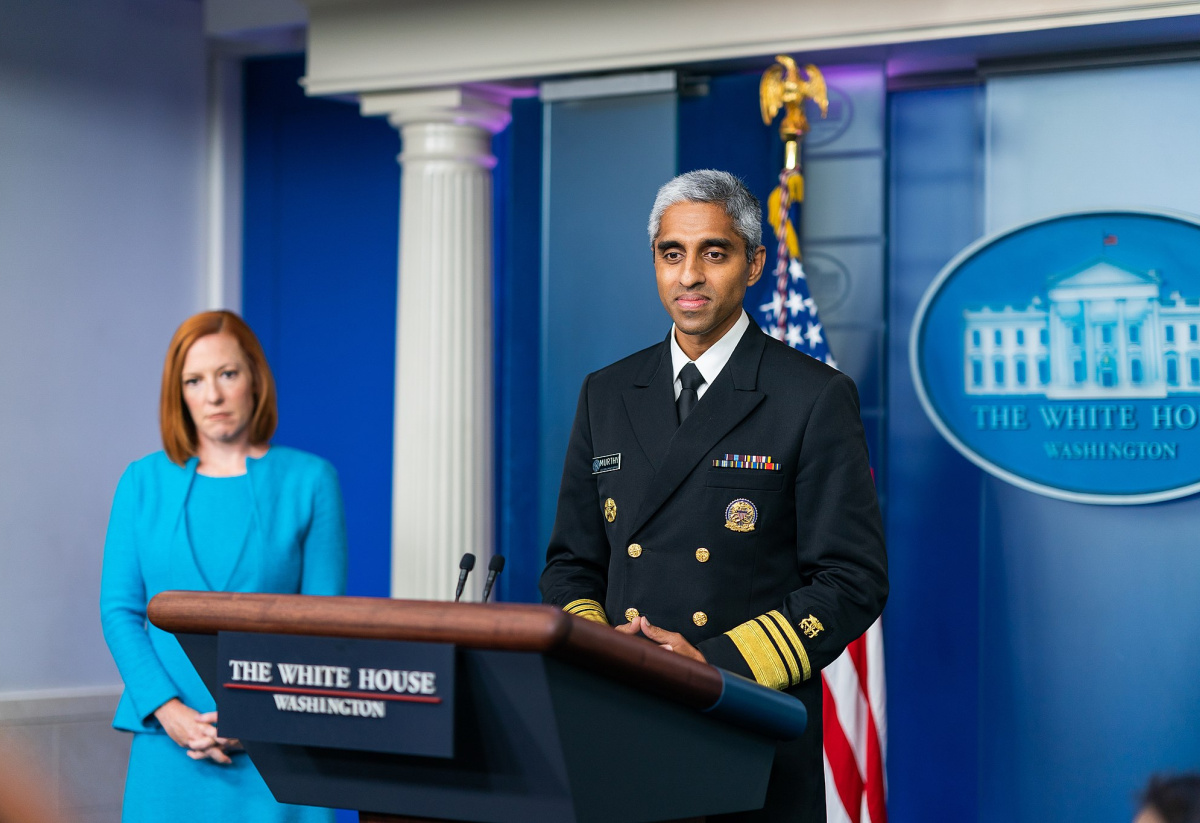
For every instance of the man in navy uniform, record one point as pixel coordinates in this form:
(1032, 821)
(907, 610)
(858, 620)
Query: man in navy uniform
(716, 495)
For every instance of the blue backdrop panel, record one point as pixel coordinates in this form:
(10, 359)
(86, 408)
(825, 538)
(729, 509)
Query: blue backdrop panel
(603, 162)
(720, 127)
(1092, 634)
(932, 616)
(518, 192)
(321, 196)
(1089, 615)
(843, 236)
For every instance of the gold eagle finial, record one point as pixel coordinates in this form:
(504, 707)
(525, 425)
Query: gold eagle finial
(782, 86)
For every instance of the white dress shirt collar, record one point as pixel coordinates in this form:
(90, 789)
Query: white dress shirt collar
(712, 361)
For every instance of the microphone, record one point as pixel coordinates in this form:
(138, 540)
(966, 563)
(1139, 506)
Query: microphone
(464, 568)
(495, 566)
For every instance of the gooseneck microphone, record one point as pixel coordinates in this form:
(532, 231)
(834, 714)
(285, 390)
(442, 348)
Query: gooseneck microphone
(495, 566)
(464, 568)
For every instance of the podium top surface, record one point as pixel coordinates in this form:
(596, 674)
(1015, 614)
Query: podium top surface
(495, 626)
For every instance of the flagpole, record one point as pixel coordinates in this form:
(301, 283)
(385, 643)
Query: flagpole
(782, 87)
(782, 257)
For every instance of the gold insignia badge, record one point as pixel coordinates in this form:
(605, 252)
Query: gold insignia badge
(811, 627)
(740, 515)
(610, 510)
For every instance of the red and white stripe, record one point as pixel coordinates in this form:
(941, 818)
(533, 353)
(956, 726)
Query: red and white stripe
(855, 726)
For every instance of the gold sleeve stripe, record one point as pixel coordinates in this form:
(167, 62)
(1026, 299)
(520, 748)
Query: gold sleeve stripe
(783, 649)
(760, 653)
(587, 609)
(794, 639)
(788, 657)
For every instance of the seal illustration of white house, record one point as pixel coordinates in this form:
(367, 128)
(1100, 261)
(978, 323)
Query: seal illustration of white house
(1102, 331)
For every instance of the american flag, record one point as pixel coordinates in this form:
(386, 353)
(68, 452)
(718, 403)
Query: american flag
(853, 693)
(791, 315)
(855, 712)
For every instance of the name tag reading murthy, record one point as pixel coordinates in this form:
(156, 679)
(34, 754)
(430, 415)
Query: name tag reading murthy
(607, 463)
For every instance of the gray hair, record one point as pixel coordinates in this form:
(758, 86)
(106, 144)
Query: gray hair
(711, 186)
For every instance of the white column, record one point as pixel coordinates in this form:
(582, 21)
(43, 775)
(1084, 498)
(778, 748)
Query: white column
(442, 460)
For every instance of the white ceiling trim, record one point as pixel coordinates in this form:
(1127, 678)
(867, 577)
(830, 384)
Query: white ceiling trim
(376, 45)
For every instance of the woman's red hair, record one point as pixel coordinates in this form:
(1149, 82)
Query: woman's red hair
(178, 428)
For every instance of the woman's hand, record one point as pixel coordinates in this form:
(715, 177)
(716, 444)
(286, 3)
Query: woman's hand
(194, 731)
(222, 746)
(220, 752)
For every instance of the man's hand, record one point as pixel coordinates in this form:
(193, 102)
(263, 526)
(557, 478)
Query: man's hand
(631, 628)
(671, 641)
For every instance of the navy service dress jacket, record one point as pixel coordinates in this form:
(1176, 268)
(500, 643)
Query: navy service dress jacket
(770, 567)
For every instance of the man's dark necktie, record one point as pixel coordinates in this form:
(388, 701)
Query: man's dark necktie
(691, 380)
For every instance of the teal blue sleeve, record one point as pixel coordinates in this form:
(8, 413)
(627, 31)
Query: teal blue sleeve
(325, 541)
(123, 607)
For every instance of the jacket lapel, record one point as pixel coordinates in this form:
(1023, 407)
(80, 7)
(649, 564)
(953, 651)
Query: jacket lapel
(186, 573)
(250, 569)
(731, 397)
(650, 405)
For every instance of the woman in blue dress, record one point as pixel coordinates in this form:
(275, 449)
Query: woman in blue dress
(219, 509)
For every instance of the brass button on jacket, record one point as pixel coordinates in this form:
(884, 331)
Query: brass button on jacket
(631, 613)
(702, 555)
(634, 550)
(699, 618)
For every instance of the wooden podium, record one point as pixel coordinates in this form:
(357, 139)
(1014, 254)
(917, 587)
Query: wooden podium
(555, 719)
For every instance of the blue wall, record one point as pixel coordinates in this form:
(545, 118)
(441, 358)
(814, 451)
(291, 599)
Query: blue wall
(319, 288)
(518, 188)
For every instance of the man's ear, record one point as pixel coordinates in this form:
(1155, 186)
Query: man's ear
(756, 265)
